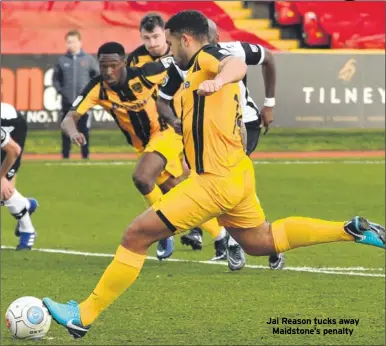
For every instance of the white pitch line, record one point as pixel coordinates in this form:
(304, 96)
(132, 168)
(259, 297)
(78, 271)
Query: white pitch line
(255, 162)
(354, 271)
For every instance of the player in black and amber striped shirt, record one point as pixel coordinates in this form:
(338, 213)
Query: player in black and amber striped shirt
(126, 93)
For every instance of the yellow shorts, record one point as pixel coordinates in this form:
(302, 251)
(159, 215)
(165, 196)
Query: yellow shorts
(232, 199)
(169, 145)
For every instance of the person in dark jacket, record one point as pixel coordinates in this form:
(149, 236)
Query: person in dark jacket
(71, 74)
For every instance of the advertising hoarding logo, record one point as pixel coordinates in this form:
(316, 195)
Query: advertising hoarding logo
(31, 91)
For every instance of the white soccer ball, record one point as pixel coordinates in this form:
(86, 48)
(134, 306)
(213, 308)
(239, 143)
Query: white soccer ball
(28, 318)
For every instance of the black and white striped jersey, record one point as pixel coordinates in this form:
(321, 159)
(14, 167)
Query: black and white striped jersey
(13, 125)
(253, 54)
(4, 138)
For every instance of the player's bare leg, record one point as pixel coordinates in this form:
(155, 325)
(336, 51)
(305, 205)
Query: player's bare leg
(294, 232)
(145, 230)
(148, 168)
(256, 241)
(122, 272)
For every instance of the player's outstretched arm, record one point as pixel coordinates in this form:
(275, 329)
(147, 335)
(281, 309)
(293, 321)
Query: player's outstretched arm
(231, 70)
(70, 128)
(165, 111)
(269, 76)
(256, 54)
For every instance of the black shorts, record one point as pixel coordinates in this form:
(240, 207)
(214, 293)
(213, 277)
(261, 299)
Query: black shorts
(253, 134)
(19, 135)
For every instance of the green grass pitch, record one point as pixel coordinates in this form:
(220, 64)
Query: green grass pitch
(86, 208)
(278, 139)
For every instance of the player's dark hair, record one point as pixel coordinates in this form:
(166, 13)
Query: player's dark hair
(189, 22)
(112, 48)
(151, 21)
(73, 33)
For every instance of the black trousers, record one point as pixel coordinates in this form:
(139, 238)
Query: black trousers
(253, 134)
(83, 128)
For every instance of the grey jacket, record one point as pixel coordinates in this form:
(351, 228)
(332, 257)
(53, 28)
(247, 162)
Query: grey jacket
(72, 73)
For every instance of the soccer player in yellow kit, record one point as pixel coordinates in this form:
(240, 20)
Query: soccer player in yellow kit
(155, 47)
(168, 107)
(222, 186)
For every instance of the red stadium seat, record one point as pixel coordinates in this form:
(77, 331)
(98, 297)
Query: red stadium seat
(341, 24)
(355, 27)
(286, 13)
(313, 33)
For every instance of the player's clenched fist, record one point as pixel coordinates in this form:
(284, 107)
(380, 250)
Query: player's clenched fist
(79, 139)
(209, 87)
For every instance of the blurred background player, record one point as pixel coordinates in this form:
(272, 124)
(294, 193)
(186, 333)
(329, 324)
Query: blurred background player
(152, 33)
(13, 136)
(71, 74)
(252, 54)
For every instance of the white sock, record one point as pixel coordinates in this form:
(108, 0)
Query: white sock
(16, 205)
(232, 242)
(222, 234)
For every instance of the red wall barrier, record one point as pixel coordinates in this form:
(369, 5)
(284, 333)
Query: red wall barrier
(40, 27)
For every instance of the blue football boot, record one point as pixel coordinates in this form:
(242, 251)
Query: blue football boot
(68, 316)
(366, 232)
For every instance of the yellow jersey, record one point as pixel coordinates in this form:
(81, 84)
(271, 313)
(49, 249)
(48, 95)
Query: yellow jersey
(211, 124)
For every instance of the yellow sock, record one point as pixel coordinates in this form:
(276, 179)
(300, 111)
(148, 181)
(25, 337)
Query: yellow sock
(212, 227)
(294, 232)
(119, 275)
(153, 196)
